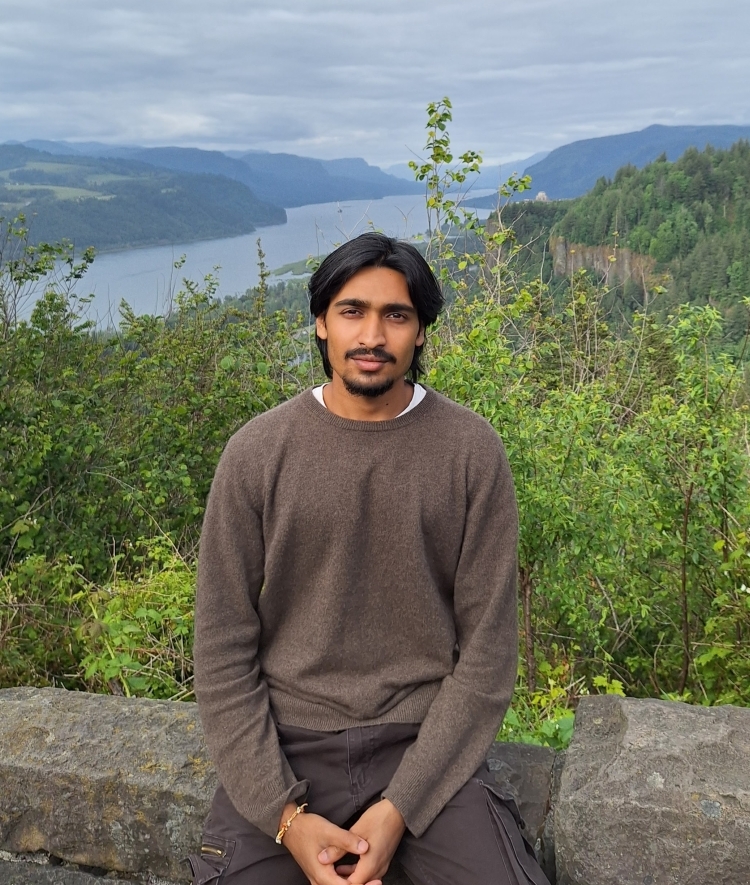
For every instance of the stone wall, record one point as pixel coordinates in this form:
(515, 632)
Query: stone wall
(649, 792)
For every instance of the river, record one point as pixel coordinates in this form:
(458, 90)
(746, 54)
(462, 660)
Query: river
(145, 277)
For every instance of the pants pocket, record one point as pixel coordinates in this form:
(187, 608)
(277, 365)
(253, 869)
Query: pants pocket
(508, 822)
(213, 859)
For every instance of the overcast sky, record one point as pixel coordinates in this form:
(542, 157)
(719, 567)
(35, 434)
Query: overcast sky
(334, 78)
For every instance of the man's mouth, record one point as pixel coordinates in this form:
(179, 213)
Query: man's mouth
(369, 362)
(368, 365)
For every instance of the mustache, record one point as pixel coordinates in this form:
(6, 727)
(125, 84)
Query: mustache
(377, 352)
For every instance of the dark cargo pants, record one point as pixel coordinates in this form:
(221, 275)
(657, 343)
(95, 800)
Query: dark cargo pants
(475, 840)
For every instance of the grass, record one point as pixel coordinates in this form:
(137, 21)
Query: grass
(297, 268)
(105, 178)
(29, 191)
(60, 192)
(47, 167)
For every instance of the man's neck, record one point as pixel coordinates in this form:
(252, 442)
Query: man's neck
(388, 405)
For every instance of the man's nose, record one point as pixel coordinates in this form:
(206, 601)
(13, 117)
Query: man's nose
(372, 332)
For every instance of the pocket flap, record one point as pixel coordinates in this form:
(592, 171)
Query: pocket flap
(214, 858)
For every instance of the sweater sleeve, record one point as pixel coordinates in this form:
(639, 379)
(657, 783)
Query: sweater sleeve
(232, 696)
(469, 708)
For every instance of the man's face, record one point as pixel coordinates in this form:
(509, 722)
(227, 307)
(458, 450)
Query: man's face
(372, 328)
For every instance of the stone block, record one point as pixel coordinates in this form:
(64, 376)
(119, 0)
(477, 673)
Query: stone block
(115, 783)
(654, 793)
(527, 770)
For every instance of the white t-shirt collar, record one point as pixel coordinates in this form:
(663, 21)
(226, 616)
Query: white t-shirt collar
(416, 398)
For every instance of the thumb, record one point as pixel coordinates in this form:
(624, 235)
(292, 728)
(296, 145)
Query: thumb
(342, 842)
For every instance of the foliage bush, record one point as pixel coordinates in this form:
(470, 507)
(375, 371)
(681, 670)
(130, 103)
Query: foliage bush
(137, 632)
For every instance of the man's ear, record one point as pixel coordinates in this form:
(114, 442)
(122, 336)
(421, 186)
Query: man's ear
(320, 326)
(420, 336)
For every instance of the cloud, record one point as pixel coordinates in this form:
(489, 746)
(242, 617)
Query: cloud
(341, 77)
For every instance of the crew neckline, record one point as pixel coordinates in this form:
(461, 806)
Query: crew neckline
(401, 420)
(417, 395)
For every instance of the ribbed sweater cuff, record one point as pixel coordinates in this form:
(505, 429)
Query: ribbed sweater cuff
(268, 803)
(409, 799)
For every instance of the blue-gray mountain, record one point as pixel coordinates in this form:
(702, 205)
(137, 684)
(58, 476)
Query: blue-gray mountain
(573, 169)
(283, 179)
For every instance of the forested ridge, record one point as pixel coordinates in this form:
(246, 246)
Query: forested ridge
(692, 217)
(628, 445)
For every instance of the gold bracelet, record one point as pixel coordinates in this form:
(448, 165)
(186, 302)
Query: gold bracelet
(284, 827)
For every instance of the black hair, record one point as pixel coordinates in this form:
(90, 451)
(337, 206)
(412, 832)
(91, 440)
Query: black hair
(376, 250)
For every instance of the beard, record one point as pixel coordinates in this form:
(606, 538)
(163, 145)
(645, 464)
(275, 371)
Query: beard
(356, 388)
(368, 390)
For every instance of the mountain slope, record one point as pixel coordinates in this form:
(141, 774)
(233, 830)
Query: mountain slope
(690, 218)
(199, 162)
(297, 181)
(116, 203)
(490, 176)
(571, 170)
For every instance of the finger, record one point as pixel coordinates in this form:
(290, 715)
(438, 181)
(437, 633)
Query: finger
(331, 854)
(329, 876)
(361, 875)
(342, 842)
(347, 869)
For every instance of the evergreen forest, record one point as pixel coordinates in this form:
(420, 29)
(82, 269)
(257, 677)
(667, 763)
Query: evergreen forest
(627, 437)
(690, 218)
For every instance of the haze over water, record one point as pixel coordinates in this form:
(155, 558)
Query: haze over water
(146, 277)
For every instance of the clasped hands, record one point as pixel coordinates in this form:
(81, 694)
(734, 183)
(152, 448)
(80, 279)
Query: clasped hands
(317, 845)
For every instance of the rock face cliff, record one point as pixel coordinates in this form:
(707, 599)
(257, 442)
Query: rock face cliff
(613, 263)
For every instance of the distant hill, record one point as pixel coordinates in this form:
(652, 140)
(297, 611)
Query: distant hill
(573, 169)
(113, 203)
(356, 167)
(50, 147)
(297, 181)
(282, 179)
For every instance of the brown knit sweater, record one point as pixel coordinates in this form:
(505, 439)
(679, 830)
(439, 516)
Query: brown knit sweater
(355, 573)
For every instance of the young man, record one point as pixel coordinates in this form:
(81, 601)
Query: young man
(356, 635)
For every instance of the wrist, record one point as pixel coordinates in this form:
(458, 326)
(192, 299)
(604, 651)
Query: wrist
(286, 812)
(289, 816)
(394, 815)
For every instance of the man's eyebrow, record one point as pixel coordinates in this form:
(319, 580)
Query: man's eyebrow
(359, 302)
